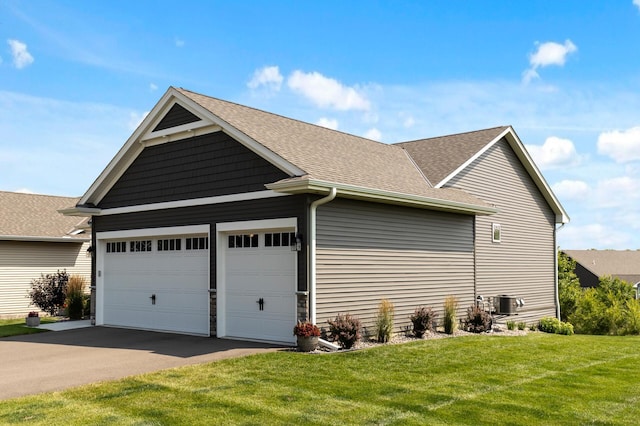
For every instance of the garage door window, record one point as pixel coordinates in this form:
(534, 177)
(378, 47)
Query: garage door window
(197, 243)
(138, 246)
(171, 244)
(243, 241)
(117, 247)
(279, 239)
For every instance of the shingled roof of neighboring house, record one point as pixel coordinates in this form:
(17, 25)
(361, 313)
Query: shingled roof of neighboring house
(624, 264)
(439, 157)
(36, 218)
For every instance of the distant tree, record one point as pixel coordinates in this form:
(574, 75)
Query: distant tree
(49, 291)
(569, 290)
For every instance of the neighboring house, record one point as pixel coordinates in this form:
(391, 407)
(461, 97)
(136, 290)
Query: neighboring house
(591, 265)
(219, 219)
(36, 239)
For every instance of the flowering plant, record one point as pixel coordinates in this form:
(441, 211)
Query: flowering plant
(32, 314)
(306, 329)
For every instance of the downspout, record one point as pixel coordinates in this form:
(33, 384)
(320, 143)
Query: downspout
(312, 251)
(555, 262)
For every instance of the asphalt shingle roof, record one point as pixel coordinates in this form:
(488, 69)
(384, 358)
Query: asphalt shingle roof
(329, 155)
(624, 264)
(32, 215)
(439, 157)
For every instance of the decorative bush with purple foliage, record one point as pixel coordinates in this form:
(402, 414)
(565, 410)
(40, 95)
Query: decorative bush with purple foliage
(345, 329)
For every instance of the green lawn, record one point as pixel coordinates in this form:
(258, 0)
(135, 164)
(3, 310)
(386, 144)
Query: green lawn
(535, 379)
(16, 327)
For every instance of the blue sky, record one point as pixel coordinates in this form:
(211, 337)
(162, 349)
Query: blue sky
(77, 77)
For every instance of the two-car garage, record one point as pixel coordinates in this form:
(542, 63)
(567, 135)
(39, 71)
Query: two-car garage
(159, 279)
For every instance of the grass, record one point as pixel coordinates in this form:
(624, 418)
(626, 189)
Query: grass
(16, 327)
(528, 380)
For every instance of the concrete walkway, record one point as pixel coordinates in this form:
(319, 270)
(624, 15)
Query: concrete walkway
(45, 362)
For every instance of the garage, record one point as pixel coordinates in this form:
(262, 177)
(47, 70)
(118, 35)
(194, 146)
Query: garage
(259, 285)
(155, 282)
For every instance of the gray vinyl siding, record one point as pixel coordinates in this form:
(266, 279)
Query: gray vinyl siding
(367, 252)
(176, 116)
(203, 166)
(269, 208)
(21, 262)
(523, 263)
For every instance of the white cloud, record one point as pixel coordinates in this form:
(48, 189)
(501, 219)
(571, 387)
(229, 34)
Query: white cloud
(268, 76)
(621, 146)
(327, 92)
(549, 53)
(409, 122)
(555, 152)
(329, 123)
(24, 191)
(136, 118)
(373, 134)
(179, 42)
(153, 87)
(636, 3)
(571, 190)
(21, 56)
(593, 235)
(618, 192)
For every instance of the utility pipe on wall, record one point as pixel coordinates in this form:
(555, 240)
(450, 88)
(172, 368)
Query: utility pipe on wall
(312, 251)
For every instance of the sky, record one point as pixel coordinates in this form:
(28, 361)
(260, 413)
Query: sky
(77, 77)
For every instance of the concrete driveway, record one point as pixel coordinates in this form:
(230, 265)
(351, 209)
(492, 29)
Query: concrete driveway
(58, 360)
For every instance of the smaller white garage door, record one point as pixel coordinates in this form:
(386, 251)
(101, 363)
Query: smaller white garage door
(157, 283)
(260, 282)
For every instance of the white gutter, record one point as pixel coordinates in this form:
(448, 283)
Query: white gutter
(312, 251)
(43, 239)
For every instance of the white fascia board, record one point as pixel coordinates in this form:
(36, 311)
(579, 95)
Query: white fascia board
(30, 238)
(245, 196)
(80, 211)
(524, 157)
(241, 137)
(352, 191)
(154, 232)
(173, 134)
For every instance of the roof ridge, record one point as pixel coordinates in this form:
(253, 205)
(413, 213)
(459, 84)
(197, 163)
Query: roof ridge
(288, 118)
(38, 195)
(454, 134)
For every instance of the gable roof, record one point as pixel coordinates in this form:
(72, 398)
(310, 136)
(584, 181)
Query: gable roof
(442, 158)
(316, 158)
(33, 217)
(624, 264)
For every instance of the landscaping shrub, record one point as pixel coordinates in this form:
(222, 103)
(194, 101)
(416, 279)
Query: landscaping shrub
(511, 325)
(569, 290)
(554, 325)
(423, 319)
(75, 296)
(86, 305)
(48, 291)
(450, 318)
(345, 329)
(384, 321)
(522, 326)
(478, 320)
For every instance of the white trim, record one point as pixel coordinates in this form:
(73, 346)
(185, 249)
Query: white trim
(179, 133)
(496, 227)
(521, 152)
(43, 239)
(256, 195)
(357, 192)
(222, 229)
(145, 232)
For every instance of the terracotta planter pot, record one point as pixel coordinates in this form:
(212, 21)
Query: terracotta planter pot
(33, 321)
(307, 344)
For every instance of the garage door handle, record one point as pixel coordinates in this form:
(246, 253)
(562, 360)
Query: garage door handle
(260, 303)
(153, 299)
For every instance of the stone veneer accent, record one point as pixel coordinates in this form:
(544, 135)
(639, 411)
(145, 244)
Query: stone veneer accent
(303, 307)
(213, 299)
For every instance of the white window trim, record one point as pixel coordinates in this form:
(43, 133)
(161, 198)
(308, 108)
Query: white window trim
(496, 227)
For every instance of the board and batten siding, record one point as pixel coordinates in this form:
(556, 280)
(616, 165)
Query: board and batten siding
(22, 261)
(367, 252)
(523, 263)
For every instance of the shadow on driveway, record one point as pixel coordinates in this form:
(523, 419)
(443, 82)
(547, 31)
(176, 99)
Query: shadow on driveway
(44, 362)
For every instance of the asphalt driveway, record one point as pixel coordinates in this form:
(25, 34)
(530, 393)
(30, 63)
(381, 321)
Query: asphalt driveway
(54, 361)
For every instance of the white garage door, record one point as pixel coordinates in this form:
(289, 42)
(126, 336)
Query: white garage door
(157, 283)
(260, 277)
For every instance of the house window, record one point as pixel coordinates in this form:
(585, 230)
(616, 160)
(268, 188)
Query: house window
(197, 243)
(279, 239)
(171, 244)
(496, 232)
(117, 247)
(139, 246)
(243, 241)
